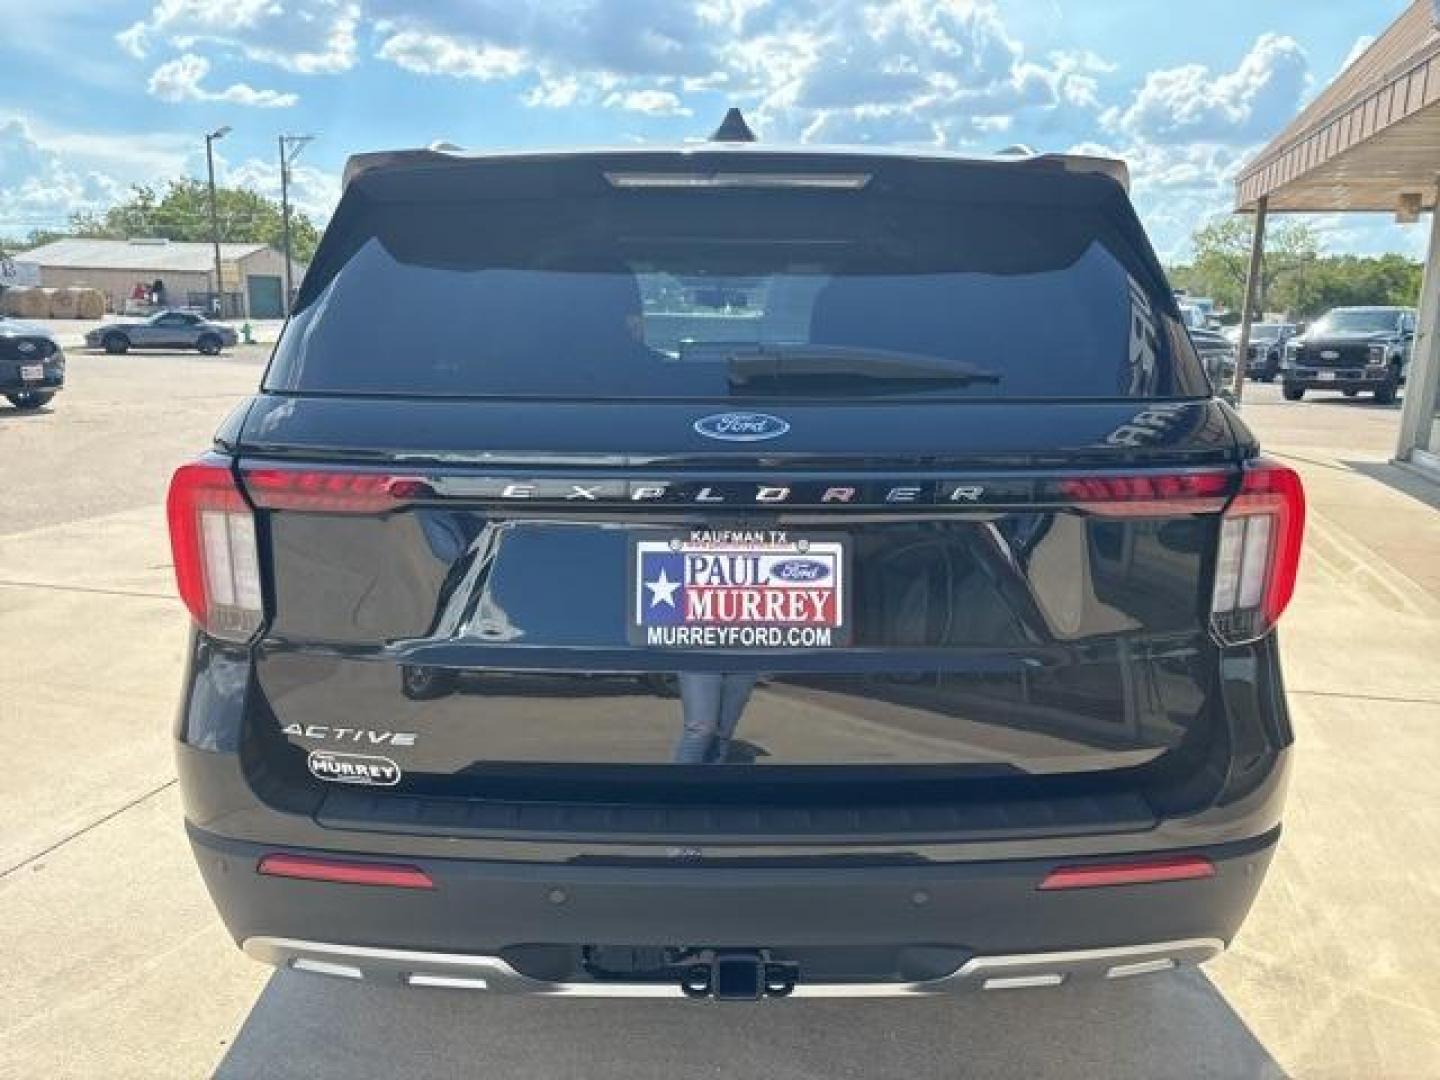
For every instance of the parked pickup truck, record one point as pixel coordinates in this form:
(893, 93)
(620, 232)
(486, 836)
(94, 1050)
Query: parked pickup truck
(1351, 349)
(883, 652)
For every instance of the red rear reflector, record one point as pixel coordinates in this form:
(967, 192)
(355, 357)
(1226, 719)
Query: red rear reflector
(331, 491)
(1147, 494)
(1098, 875)
(348, 873)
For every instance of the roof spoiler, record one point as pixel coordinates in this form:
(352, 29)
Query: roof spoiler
(442, 154)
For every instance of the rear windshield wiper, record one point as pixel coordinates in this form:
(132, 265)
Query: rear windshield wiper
(768, 363)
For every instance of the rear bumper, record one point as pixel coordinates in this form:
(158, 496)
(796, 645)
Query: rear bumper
(495, 975)
(47, 385)
(962, 924)
(1344, 378)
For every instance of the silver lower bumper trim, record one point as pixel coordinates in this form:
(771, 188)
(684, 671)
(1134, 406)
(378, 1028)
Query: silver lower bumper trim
(494, 975)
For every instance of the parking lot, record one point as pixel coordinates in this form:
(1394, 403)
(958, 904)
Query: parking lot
(115, 964)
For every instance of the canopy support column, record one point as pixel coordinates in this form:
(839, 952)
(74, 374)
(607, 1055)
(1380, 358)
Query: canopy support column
(1252, 291)
(1420, 388)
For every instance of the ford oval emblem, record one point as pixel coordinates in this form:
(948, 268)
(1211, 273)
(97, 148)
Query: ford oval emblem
(800, 570)
(741, 426)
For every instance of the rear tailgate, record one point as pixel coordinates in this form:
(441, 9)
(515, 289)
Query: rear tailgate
(999, 617)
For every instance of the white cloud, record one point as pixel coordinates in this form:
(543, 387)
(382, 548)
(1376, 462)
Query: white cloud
(313, 190)
(555, 93)
(436, 54)
(652, 102)
(933, 69)
(946, 71)
(1363, 42)
(180, 80)
(304, 36)
(628, 38)
(38, 189)
(1191, 102)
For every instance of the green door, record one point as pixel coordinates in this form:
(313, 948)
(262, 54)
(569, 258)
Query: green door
(265, 296)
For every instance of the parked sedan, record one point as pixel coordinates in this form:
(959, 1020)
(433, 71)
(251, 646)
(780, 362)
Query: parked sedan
(163, 330)
(32, 364)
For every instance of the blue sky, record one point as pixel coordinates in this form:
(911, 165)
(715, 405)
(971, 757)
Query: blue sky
(99, 95)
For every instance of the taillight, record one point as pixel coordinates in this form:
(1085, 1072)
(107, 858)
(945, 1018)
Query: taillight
(333, 491)
(1146, 494)
(212, 537)
(1259, 553)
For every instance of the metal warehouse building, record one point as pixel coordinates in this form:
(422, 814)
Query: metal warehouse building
(253, 274)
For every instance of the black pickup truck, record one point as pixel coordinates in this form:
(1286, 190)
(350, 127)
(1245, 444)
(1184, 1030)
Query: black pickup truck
(32, 364)
(1351, 349)
(697, 572)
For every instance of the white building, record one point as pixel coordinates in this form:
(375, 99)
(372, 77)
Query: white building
(253, 274)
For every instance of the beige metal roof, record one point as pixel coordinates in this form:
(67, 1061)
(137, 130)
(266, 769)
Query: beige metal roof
(1370, 136)
(144, 255)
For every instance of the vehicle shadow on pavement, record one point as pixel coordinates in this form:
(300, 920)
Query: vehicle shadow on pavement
(1367, 403)
(1161, 1026)
(1402, 480)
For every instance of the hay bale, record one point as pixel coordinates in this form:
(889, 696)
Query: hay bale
(90, 304)
(28, 302)
(64, 303)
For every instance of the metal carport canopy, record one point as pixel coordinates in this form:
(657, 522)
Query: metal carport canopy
(1370, 137)
(1369, 141)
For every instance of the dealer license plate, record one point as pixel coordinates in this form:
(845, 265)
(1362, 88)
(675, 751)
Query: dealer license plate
(738, 589)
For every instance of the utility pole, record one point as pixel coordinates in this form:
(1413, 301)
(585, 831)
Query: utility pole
(290, 147)
(219, 133)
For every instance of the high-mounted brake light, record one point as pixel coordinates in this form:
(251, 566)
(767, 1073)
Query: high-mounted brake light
(333, 491)
(212, 538)
(1259, 553)
(694, 180)
(394, 875)
(1140, 872)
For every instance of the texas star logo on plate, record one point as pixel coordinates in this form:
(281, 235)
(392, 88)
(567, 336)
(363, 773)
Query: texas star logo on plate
(758, 589)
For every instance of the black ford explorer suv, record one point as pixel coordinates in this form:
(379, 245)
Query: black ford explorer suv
(1351, 349)
(734, 572)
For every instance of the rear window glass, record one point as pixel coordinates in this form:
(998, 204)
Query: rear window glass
(732, 295)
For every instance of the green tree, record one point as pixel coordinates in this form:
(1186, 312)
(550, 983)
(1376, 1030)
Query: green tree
(1222, 259)
(182, 212)
(1295, 277)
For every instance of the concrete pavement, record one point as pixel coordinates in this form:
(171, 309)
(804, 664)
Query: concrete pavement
(115, 965)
